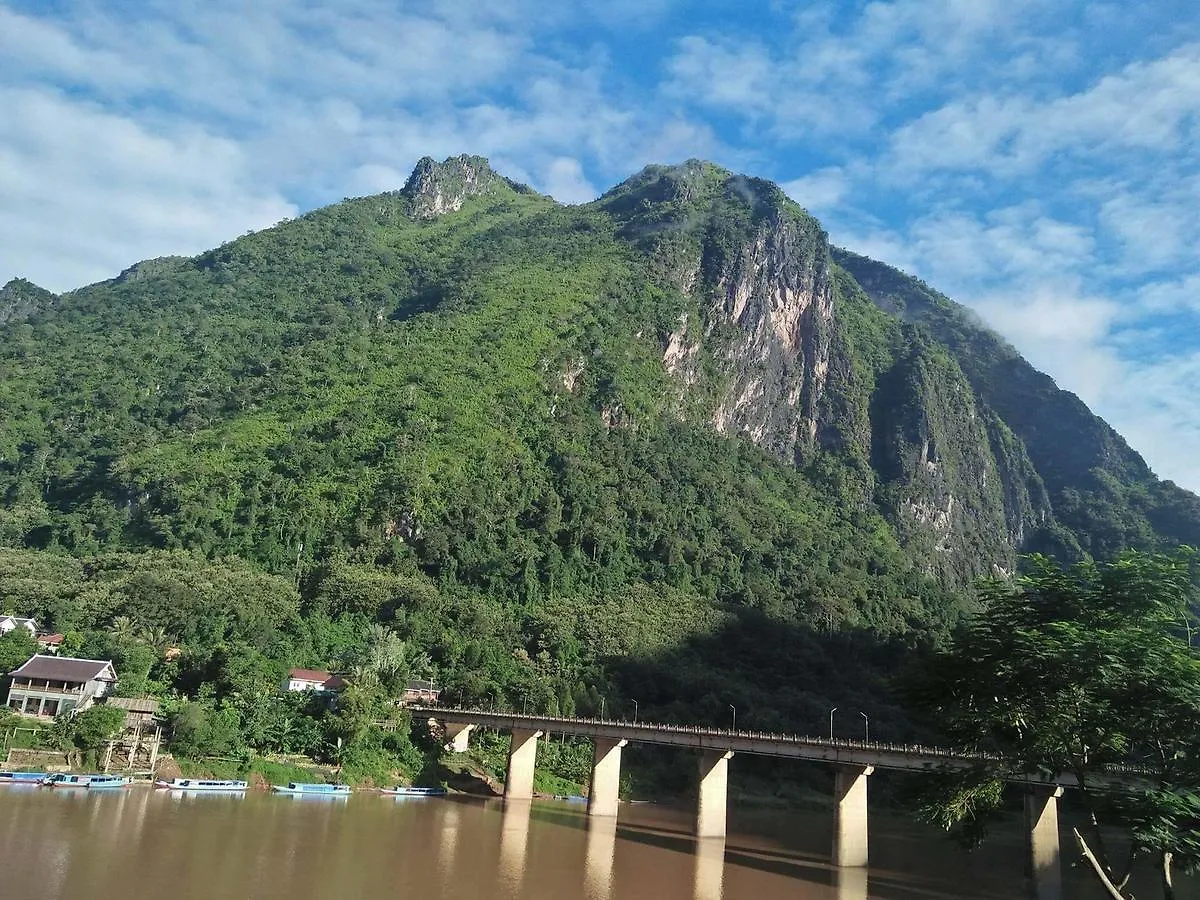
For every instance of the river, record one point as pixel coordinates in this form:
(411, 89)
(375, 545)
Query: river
(140, 843)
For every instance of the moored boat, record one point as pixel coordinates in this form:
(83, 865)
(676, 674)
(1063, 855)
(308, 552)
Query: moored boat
(22, 777)
(300, 788)
(91, 782)
(202, 784)
(400, 791)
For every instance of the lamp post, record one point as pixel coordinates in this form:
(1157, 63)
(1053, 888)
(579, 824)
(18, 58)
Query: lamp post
(734, 708)
(831, 712)
(601, 708)
(866, 727)
(634, 712)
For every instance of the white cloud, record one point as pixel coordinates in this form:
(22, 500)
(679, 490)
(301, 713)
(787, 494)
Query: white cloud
(822, 190)
(85, 192)
(565, 181)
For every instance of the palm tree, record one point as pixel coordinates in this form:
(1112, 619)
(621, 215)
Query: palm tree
(123, 629)
(386, 654)
(155, 636)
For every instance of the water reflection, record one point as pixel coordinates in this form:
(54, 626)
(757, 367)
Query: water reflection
(514, 839)
(851, 884)
(710, 869)
(598, 862)
(448, 838)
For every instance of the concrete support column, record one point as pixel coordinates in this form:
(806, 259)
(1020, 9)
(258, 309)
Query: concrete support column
(1045, 861)
(713, 801)
(457, 735)
(850, 816)
(606, 777)
(522, 756)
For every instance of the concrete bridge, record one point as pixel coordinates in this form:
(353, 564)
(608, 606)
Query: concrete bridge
(853, 762)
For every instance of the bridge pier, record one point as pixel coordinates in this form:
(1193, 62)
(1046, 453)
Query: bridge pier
(522, 756)
(713, 801)
(457, 736)
(850, 816)
(1045, 859)
(603, 794)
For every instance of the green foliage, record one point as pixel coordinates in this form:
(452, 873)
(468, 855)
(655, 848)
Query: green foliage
(1074, 670)
(91, 729)
(397, 445)
(16, 647)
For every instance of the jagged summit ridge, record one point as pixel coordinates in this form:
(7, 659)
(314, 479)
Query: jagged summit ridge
(435, 188)
(20, 299)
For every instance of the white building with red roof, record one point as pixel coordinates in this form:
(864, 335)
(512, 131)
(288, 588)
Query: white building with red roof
(313, 680)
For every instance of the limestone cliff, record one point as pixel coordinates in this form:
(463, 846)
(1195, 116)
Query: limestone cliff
(20, 299)
(435, 188)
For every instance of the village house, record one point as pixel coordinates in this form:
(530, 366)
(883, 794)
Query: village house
(12, 623)
(420, 691)
(313, 680)
(140, 712)
(46, 686)
(50, 643)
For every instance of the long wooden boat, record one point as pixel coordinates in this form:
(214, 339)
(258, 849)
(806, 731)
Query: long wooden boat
(202, 784)
(414, 791)
(22, 777)
(302, 789)
(91, 782)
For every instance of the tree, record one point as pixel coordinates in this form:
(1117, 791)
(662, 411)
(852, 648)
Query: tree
(15, 648)
(123, 629)
(1073, 671)
(90, 729)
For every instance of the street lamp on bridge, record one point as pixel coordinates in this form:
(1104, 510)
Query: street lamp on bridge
(866, 727)
(734, 708)
(831, 712)
(634, 712)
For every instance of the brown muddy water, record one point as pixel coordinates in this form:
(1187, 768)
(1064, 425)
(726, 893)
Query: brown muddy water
(140, 843)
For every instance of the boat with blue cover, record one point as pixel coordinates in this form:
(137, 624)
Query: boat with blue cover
(203, 784)
(22, 777)
(302, 789)
(400, 791)
(91, 782)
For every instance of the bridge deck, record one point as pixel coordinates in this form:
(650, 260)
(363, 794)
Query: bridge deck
(895, 757)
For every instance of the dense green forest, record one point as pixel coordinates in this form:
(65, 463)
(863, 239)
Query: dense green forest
(665, 447)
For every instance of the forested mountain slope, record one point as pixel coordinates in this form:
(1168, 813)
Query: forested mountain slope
(558, 446)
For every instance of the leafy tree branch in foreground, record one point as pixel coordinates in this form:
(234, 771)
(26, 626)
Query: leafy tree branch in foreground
(1073, 671)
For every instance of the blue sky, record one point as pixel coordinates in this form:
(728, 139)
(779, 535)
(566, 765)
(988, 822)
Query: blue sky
(1035, 160)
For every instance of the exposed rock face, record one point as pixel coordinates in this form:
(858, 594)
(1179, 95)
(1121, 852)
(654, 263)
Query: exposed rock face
(436, 188)
(20, 299)
(776, 304)
(757, 269)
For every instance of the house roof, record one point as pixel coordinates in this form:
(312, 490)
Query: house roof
(316, 675)
(50, 639)
(420, 684)
(134, 704)
(60, 668)
(19, 622)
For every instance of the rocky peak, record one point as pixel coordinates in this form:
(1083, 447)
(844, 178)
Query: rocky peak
(20, 299)
(435, 187)
(758, 268)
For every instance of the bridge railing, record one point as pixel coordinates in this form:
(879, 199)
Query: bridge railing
(915, 750)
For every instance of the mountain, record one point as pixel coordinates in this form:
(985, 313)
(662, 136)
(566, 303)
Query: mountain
(672, 432)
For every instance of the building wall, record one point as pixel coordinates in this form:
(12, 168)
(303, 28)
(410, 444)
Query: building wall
(22, 698)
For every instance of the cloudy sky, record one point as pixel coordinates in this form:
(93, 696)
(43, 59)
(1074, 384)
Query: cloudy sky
(1035, 159)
